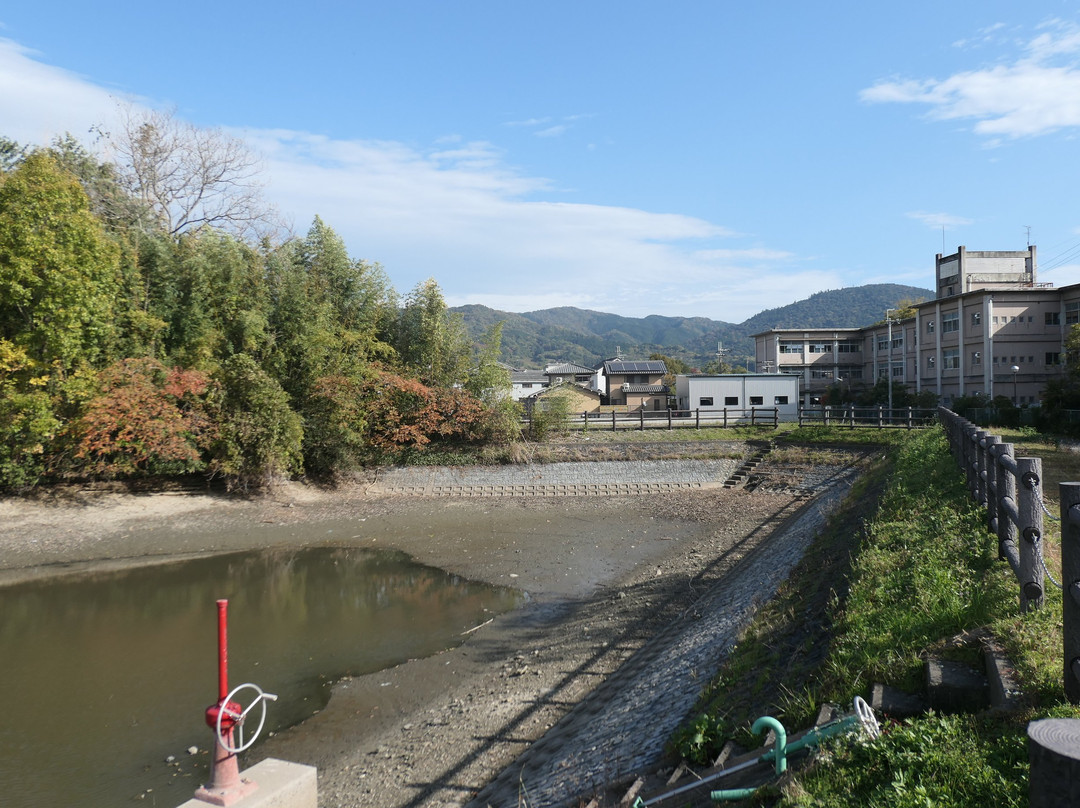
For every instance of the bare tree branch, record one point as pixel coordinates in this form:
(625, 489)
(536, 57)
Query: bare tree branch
(192, 178)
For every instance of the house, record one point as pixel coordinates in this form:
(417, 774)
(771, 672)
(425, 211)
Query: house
(579, 397)
(526, 382)
(568, 372)
(637, 385)
(991, 330)
(739, 391)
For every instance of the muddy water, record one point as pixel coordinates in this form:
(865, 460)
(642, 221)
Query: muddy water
(103, 675)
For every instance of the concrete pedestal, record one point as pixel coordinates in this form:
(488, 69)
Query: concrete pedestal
(281, 784)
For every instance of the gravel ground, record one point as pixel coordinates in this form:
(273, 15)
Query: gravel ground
(434, 731)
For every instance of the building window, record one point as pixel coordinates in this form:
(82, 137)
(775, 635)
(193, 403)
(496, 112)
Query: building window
(1053, 358)
(791, 347)
(950, 360)
(780, 400)
(854, 373)
(851, 346)
(883, 343)
(756, 401)
(1072, 313)
(898, 370)
(929, 361)
(883, 373)
(929, 326)
(950, 322)
(820, 347)
(976, 358)
(1053, 318)
(995, 319)
(705, 401)
(898, 342)
(731, 401)
(976, 318)
(820, 374)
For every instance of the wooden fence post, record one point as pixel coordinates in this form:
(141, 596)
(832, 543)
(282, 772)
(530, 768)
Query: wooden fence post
(641, 419)
(980, 468)
(1029, 473)
(613, 420)
(697, 418)
(993, 482)
(1054, 757)
(1006, 528)
(1069, 494)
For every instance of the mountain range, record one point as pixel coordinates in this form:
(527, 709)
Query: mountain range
(567, 334)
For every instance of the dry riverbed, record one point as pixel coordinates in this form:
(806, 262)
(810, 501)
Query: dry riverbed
(604, 574)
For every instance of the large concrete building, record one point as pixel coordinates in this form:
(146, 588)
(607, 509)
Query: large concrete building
(991, 330)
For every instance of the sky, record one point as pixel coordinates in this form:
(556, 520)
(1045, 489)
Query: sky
(690, 158)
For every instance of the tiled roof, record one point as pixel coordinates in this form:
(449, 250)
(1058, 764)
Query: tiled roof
(645, 388)
(566, 369)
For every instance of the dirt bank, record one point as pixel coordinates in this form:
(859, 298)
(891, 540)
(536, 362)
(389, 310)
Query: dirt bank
(604, 574)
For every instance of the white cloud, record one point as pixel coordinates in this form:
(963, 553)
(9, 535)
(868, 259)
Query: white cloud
(41, 101)
(1037, 93)
(461, 213)
(939, 220)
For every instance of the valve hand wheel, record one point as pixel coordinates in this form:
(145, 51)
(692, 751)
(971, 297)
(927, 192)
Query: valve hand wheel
(239, 718)
(867, 719)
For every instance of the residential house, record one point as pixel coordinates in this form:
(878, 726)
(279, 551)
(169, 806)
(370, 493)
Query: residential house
(637, 385)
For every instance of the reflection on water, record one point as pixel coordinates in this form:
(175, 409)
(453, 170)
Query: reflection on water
(104, 675)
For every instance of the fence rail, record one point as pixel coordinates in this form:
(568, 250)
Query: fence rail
(1008, 488)
(879, 417)
(674, 419)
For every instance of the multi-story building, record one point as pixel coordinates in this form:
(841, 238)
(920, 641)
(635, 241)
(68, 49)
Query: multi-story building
(991, 330)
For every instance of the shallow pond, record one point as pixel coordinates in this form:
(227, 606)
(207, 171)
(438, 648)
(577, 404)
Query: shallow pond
(103, 675)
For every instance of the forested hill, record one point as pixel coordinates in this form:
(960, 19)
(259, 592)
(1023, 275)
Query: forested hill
(532, 339)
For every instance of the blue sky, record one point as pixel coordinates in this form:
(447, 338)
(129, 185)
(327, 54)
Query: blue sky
(687, 159)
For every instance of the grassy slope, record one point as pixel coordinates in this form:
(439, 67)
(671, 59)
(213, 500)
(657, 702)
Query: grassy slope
(868, 602)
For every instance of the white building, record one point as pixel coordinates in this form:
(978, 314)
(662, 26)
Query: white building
(739, 391)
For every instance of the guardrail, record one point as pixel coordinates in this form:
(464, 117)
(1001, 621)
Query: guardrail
(1008, 488)
(880, 417)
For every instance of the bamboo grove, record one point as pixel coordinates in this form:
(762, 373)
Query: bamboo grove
(138, 341)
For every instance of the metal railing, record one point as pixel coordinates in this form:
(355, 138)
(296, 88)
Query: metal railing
(1008, 488)
(879, 417)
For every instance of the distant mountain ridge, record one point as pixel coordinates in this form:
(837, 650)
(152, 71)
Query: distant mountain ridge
(535, 338)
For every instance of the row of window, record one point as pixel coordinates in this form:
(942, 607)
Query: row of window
(950, 359)
(950, 321)
(733, 401)
(848, 346)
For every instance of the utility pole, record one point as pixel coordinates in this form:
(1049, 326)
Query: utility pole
(721, 352)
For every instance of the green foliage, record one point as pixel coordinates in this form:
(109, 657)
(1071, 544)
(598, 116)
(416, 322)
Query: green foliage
(941, 761)
(432, 341)
(28, 427)
(58, 269)
(259, 436)
(549, 415)
(925, 571)
(335, 426)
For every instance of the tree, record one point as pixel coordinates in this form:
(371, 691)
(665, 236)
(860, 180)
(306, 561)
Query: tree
(259, 436)
(145, 419)
(58, 269)
(190, 178)
(431, 340)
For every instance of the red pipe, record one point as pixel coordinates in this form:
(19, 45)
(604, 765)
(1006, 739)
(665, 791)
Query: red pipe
(223, 650)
